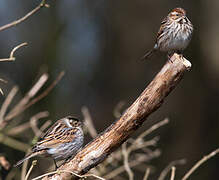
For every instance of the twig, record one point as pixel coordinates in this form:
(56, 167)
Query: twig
(173, 171)
(14, 23)
(133, 163)
(153, 128)
(148, 102)
(135, 146)
(34, 120)
(8, 141)
(168, 168)
(199, 163)
(125, 161)
(117, 110)
(31, 168)
(88, 122)
(45, 125)
(146, 175)
(6, 104)
(36, 99)
(30, 94)
(24, 166)
(11, 57)
(59, 171)
(18, 129)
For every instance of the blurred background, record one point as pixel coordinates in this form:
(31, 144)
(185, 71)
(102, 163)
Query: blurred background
(98, 44)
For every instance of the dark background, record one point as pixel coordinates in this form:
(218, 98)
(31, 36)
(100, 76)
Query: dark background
(98, 44)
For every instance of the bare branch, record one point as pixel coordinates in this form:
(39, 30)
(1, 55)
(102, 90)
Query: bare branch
(168, 168)
(149, 101)
(118, 109)
(31, 168)
(26, 102)
(6, 104)
(173, 171)
(146, 175)
(8, 141)
(126, 163)
(133, 163)
(11, 57)
(16, 22)
(34, 121)
(70, 172)
(32, 92)
(199, 163)
(88, 122)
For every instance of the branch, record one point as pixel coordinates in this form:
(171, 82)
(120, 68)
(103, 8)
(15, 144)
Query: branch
(164, 173)
(16, 22)
(149, 101)
(11, 57)
(199, 163)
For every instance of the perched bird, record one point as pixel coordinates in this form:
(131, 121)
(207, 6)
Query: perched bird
(174, 34)
(61, 141)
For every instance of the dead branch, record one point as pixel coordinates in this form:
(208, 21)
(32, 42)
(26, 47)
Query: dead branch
(88, 122)
(16, 22)
(173, 172)
(146, 175)
(164, 173)
(11, 57)
(148, 102)
(199, 163)
(132, 163)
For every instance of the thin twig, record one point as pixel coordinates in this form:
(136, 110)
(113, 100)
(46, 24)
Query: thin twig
(18, 129)
(173, 171)
(59, 171)
(135, 146)
(125, 161)
(117, 112)
(168, 168)
(33, 101)
(13, 143)
(24, 166)
(146, 175)
(88, 122)
(31, 168)
(199, 163)
(153, 128)
(11, 57)
(30, 94)
(34, 120)
(6, 103)
(16, 22)
(133, 163)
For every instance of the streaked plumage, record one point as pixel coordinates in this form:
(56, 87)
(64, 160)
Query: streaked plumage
(174, 34)
(61, 141)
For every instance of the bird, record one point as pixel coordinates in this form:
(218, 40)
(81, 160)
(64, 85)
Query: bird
(60, 142)
(174, 34)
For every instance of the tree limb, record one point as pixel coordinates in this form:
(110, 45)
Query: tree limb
(149, 101)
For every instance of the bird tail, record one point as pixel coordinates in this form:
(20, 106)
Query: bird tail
(148, 54)
(26, 158)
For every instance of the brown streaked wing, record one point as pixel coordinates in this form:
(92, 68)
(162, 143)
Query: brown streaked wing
(55, 127)
(53, 140)
(161, 27)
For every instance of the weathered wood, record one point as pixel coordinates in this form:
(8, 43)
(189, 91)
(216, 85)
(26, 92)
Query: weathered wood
(149, 101)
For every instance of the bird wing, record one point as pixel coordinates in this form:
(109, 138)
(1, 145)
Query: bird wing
(52, 139)
(163, 23)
